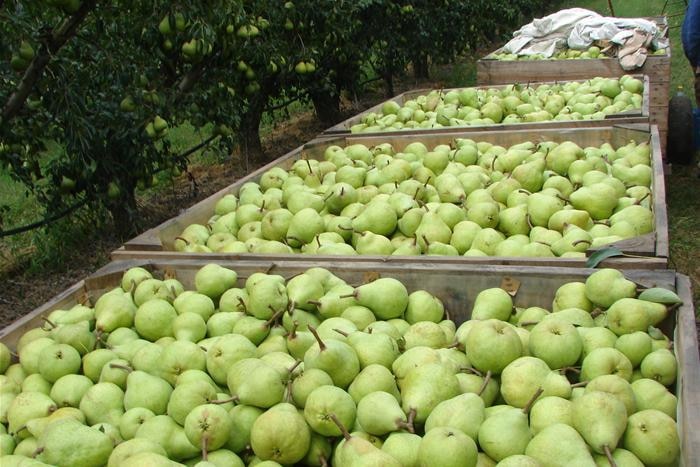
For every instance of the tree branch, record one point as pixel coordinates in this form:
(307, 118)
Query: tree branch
(199, 146)
(44, 221)
(56, 40)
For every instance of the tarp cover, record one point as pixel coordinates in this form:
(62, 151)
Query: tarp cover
(578, 28)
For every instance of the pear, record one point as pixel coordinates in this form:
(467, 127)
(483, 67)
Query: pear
(493, 303)
(447, 447)
(103, 403)
(378, 217)
(336, 358)
(68, 390)
(114, 310)
(650, 394)
(660, 365)
(491, 345)
(254, 382)
(403, 447)
(555, 341)
(571, 295)
(601, 418)
(605, 361)
(506, 432)
(605, 286)
(424, 334)
(616, 386)
(281, 435)
(550, 410)
(132, 447)
(147, 391)
(559, 445)
(208, 426)
(372, 378)
(652, 436)
(628, 315)
(464, 412)
(424, 387)
(68, 442)
(154, 319)
(325, 401)
(379, 413)
(165, 432)
(374, 348)
(242, 418)
(213, 280)
(131, 421)
(386, 297)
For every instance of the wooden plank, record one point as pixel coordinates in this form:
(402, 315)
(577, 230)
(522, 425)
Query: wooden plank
(686, 350)
(636, 116)
(157, 242)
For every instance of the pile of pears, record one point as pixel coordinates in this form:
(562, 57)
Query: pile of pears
(310, 370)
(593, 51)
(468, 198)
(593, 99)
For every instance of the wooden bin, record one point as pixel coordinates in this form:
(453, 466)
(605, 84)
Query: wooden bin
(631, 116)
(651, 249)
(490, 71)
(455, 285)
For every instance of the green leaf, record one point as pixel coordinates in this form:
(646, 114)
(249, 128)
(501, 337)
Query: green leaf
(659, 295)
(595, 259)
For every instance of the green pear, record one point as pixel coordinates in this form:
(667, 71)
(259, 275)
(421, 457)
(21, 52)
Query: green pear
(374, 348)
(555, 341)
(616, 386)
(493, 303)
(208, 426)
(627, 315)
(650, 394)
(464, 412)
(372, 378)
(550, 410)
(386, 297)
(165, 432)
(605, 361)
(446, 446)
(652, 436)
(131, 448)
(491, 345)
(280, 434)
(69, 442)
(57, 360)
(559, 445)
(254, 382)
(131, 421)
(68, 390)
(379, 413)
(660, 365)
(154, 319)
(103, 403)
(336, 358)
(426, 386)
(403, 447)
(605, 286)
(601, 418)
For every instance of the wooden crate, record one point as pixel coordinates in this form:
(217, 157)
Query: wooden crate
(455, 285)
(490, 71)
(651, 249)
(631, 116)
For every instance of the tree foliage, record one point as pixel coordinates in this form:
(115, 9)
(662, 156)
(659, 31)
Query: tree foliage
(89, 88)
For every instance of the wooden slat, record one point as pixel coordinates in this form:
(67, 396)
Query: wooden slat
(635, 116)
(157, 242)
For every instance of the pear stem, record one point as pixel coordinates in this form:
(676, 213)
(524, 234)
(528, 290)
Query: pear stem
(580, 384)
(314, 302)
(225, 401)
(674, 307)
(293, 333)
(128, 369)
(309, 165)
(427, 243)
(532, 400)
(353, 295)
(577, 242)
(639, 201)
(274, 317)
(411, 418)
(294, 367)
(447, 314)
(573, 369)
(49, 322)
(528, 323)
(453, 345)
(187, 242)
(38, 451)
(529, 221)
(406, 424)
(471, 370)
(596, 312)
(322, 461)
(321, 345)
(341, 332)
(485, 383)
(340, 426)
(205, 442)
(241, 302)
(608, 454)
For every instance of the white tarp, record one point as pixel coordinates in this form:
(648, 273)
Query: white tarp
(578, 28)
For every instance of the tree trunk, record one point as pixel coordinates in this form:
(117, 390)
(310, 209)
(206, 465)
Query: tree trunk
(420, 67)
(388, 77)
(251, 146)
(124, 212)
(327, 107)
